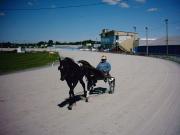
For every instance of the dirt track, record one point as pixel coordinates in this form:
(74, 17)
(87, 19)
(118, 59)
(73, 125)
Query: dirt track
(146, 100)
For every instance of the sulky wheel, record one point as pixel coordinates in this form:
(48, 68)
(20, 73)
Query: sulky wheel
(111, 85)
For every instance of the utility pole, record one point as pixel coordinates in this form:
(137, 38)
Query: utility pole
(166, 22)
(134, 42)
(134, 28)
(147, 51)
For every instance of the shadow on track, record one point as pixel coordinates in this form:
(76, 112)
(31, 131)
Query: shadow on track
(97, 91)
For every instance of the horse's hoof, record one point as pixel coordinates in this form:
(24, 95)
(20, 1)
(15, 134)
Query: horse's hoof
(110, 92)
(69, 107)
(86, 99)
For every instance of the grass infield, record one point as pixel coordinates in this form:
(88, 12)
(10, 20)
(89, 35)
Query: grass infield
(10, 61)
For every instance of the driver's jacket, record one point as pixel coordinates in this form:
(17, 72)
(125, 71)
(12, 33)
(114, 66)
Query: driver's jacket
(104, 67)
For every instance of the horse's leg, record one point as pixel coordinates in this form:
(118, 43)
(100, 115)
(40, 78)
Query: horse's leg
(89, 86)
(71, 94)
(83, 85)
(70, 86)
(86, 92)
(73, 86)
(91, 83)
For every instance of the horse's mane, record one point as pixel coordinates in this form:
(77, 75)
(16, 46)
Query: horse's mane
(71, 63)
(69, 59)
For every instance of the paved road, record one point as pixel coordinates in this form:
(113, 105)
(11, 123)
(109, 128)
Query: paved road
(146, 100)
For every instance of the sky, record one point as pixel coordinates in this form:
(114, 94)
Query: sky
(75, 20)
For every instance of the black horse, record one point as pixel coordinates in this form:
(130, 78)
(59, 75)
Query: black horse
(72, 73)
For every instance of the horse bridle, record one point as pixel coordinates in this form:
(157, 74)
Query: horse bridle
(63, 71)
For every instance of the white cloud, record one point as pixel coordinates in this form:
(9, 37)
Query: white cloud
(141, 1)
(152, 9)
(2, 14)
(124, 5)
(120, 3)
(111, 2)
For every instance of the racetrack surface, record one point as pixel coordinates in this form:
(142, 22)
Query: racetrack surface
(146, 100)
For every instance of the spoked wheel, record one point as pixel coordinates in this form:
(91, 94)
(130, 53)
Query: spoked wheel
(111, 85)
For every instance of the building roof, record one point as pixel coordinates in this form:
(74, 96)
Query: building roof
(175, 40)
(120, 33)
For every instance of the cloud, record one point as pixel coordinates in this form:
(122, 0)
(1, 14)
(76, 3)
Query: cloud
(111, 2)
(2, 14)
(124, 5)
(141, 1)
(152, 9)
(120, 3)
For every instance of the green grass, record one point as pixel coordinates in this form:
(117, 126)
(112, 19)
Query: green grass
(10, 62)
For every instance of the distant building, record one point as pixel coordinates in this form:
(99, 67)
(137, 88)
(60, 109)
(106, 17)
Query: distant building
(159, 47)
(21, 50)
(126, 41)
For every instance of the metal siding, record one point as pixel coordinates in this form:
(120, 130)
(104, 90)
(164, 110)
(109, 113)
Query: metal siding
(160, 50)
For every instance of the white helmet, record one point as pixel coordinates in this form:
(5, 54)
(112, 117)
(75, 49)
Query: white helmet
(103, 57)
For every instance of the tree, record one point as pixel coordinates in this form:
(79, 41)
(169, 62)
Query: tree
(41, 43)
(50, 42)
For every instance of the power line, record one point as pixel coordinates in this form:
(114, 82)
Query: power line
(49, 8)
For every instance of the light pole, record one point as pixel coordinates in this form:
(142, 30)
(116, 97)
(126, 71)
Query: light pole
(134, 28)
(134, 42)
(166, 22)
(147, 51)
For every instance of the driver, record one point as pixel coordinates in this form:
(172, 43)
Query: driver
(104, 66)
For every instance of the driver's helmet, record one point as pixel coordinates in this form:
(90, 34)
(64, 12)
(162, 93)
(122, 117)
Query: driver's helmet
(103, 57)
